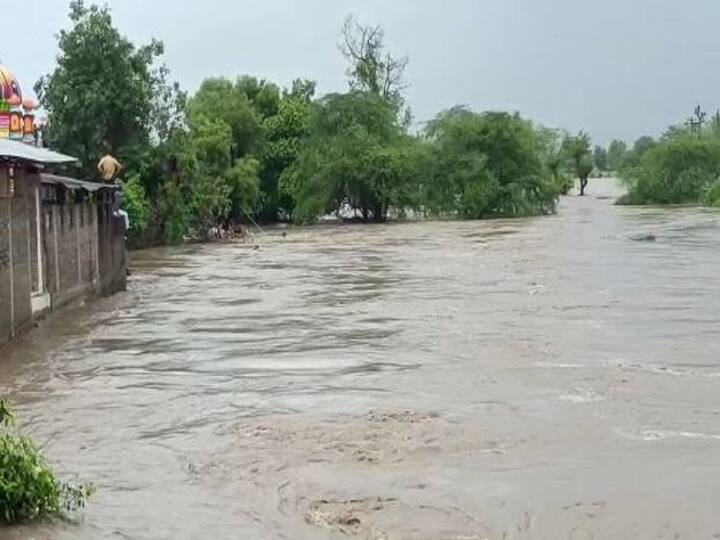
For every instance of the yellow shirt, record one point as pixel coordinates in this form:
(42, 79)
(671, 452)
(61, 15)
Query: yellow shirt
(109, 167)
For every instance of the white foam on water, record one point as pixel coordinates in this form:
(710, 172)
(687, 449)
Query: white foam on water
(672, 371)
(557, 365)
(584, 396)
(654, 435)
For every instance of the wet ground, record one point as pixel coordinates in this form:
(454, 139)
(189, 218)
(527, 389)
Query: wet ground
(546, 378)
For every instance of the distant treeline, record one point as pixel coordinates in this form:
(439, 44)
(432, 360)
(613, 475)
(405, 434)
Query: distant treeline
(247, 149)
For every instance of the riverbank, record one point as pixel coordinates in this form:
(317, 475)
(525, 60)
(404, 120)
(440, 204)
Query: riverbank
(533, 378)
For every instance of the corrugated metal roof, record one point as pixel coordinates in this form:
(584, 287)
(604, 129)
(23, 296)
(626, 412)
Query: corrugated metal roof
(72, 183)
(33, 154)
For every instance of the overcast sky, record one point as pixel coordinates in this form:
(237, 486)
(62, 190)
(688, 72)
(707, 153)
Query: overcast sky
(616, 68)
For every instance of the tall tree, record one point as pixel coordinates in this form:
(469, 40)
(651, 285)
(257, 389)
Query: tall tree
(580, 154)
(104, 89)
(222, 102)
(552, 154)
(284, 135)
(639, 149)
(372, 68)
(486, 164)
(642, 145)
(616, 155)
(600, 157)
(264, 96)
(352, 160)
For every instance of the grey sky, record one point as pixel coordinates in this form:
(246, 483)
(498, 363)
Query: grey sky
(616, 68)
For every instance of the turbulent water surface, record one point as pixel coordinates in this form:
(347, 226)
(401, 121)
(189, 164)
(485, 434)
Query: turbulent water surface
(552, 378)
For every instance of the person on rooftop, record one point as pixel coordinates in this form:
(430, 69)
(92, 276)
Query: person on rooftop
(109, 168)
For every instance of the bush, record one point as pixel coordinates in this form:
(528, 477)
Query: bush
(135, 203)
(29, 489)
(489, 164)
(680, 169)
(711, 197)
(356, 159)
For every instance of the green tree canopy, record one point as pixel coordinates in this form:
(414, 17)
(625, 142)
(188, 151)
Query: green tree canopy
(645, 143)
(264, 96)
(223, 103)
(349, 161)
(104, 90)
(284, 133)
(552, 154)
(486, 164)
(579, 151)
(678, 169)
(616, 155)
(600, 158)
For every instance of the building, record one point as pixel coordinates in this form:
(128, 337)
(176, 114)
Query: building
(59, 238)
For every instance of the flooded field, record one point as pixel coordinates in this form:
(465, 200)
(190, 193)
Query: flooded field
(547, 378)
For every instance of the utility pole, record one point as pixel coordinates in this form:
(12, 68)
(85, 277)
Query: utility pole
(697, 121)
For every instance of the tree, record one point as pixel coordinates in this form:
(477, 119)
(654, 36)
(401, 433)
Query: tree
(642, 145)
(552, 154)
(645, 143)
(264, 96)
(103, 91)
(600, 158)
(302, 89)
(485, 164)
(578, 150)
(217, 184)
(284, 134)
(243, 178)
(616, 155)
(372, 69)
(221, 102)
(681, 169)
(352, 160)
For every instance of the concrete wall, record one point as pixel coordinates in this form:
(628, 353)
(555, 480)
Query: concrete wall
(81, 253)
(15, 278)
(70, 244)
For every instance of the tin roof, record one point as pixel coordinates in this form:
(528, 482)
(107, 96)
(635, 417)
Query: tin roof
(33, 154)
(72, 183)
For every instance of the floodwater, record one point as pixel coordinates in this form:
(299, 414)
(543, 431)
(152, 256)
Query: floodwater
(548, 378)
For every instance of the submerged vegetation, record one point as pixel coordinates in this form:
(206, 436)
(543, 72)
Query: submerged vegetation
(29, 490)
(680, 167)
(248, 149)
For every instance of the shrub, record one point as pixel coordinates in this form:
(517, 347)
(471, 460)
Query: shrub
(711, 197)
(489, 164)
(29, 489)
(135, 203)
(680, 169)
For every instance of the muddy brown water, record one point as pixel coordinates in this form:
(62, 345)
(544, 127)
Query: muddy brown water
(552, 378)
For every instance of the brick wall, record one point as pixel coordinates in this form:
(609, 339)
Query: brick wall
(70, 238)
(82, 245)
(15, 261)
(5, 257)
